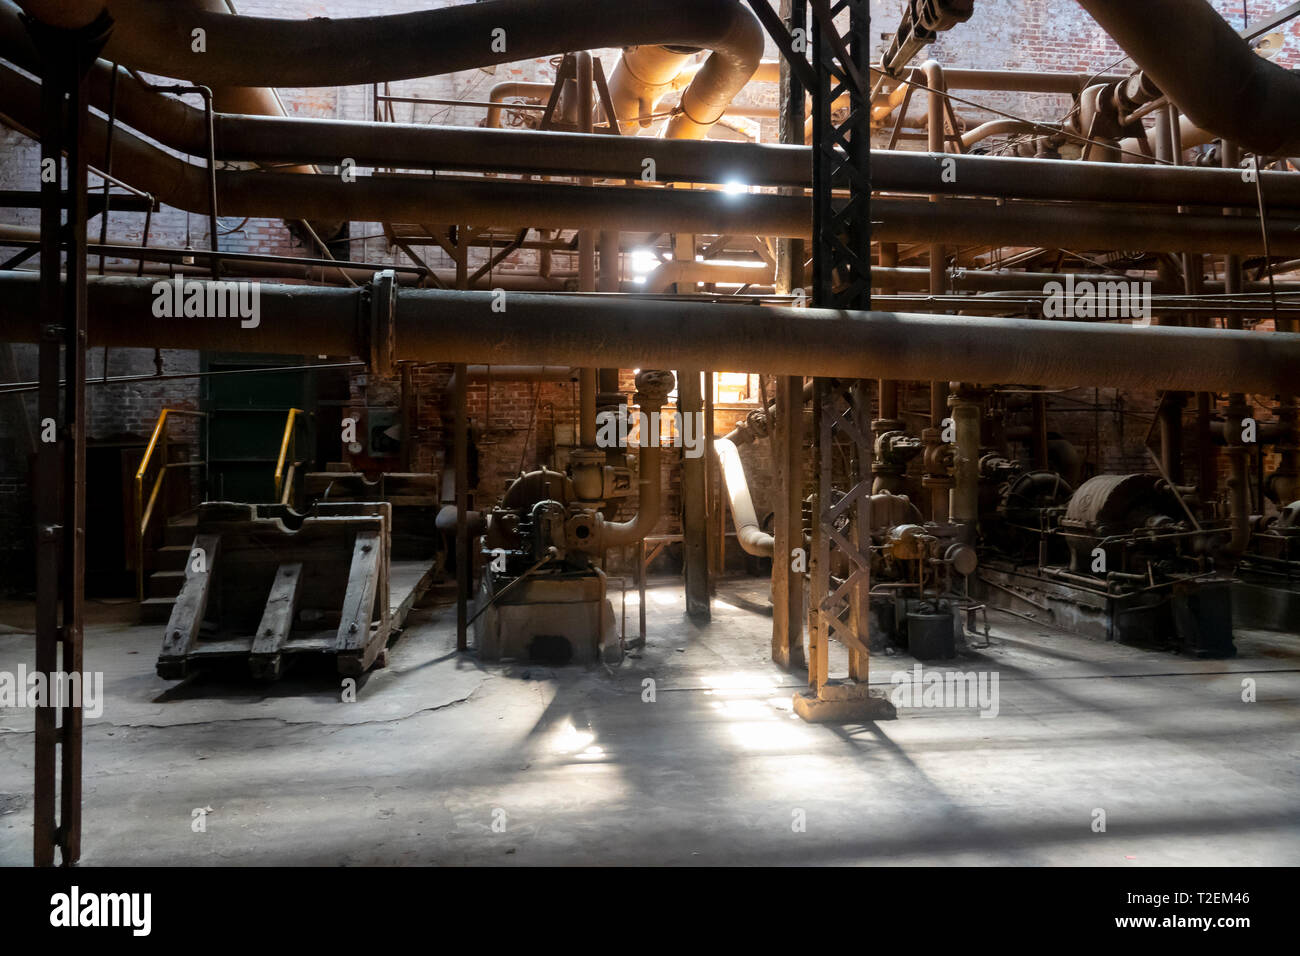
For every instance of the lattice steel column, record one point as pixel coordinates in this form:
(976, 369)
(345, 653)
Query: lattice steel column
(60, 495)
(841, 280)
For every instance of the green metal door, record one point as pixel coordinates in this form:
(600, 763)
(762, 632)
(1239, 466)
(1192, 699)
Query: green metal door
(247, 412)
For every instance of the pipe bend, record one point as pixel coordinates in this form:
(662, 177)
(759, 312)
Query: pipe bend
(156, 36)
(752, 538)
(1243, 98)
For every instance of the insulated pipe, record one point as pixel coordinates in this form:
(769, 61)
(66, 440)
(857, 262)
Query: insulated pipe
(450, 326)
(642, 76)
(503, 91)
(278, 140)
(934, 79)
(751, 537)
(966, 466)
(1207, 70)
(669, 274)
(652, 392)
(518, 205)
(156, 36)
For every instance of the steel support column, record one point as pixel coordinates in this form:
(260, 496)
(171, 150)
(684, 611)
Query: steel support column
(790, 560)
(61, 456)
(841, 280)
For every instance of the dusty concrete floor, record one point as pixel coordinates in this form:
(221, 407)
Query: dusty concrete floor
(715, 770)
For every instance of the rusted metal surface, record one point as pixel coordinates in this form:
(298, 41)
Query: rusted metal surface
(60, 493)
(448, 326)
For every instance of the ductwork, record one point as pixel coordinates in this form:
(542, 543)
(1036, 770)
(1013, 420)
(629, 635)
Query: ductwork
(1209, 72)
(748, 532)
(441, 326)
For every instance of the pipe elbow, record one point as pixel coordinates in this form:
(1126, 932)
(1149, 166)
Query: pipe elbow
(753, 539)
(734, 61)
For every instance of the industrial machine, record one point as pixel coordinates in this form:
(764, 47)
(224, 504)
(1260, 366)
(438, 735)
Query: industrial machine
(542, 595)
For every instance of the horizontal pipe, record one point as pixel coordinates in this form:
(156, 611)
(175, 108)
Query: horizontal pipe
(442, 326)
(279, 140)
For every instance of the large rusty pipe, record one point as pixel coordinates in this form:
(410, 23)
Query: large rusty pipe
(449, 326)
(156, 36)
(279, 140)
(1209, 72)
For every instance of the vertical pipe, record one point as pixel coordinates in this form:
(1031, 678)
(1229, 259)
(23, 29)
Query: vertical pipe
(695, 531)
(461, 452)
(965, 492)
(787, 577)
(888, 390)
(586, 255)
(1237, 408)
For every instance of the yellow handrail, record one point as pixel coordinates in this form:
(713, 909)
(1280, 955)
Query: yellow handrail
(143, 514)
(284, 451)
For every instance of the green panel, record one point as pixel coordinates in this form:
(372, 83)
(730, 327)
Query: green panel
(246, 419)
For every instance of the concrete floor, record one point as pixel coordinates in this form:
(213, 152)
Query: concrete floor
(713, 771)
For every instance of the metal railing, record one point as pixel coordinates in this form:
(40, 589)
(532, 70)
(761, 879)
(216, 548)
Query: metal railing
(144, 512)
(289, 450)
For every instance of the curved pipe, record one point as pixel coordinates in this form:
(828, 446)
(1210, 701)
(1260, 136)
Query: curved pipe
(1209, 72)
(503, 91)
(614, 534)
(751, 537)
(155, 36)
(645, 73)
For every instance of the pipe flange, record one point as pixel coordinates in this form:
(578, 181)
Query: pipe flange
(383, 321)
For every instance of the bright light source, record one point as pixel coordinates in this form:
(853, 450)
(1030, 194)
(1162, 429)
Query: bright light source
(735, 187)
(644, 262)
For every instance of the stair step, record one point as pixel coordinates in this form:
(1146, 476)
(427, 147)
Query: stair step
(179, 534)
(172, 557)
(166, 584)
(156, 610)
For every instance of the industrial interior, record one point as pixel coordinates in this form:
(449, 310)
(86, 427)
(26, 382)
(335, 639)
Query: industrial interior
(688, 432)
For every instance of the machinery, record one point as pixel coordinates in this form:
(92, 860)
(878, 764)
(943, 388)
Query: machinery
(542, 596)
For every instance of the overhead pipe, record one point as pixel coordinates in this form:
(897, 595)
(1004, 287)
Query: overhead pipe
(632, 209)
(669, 274)
(155, 36)
(748, 531)
(243, 51)
(1207, 70)
(518, 205)
(448, 326)
(280, 140)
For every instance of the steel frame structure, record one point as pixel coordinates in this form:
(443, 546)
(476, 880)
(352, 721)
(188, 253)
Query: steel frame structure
(60, 505)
